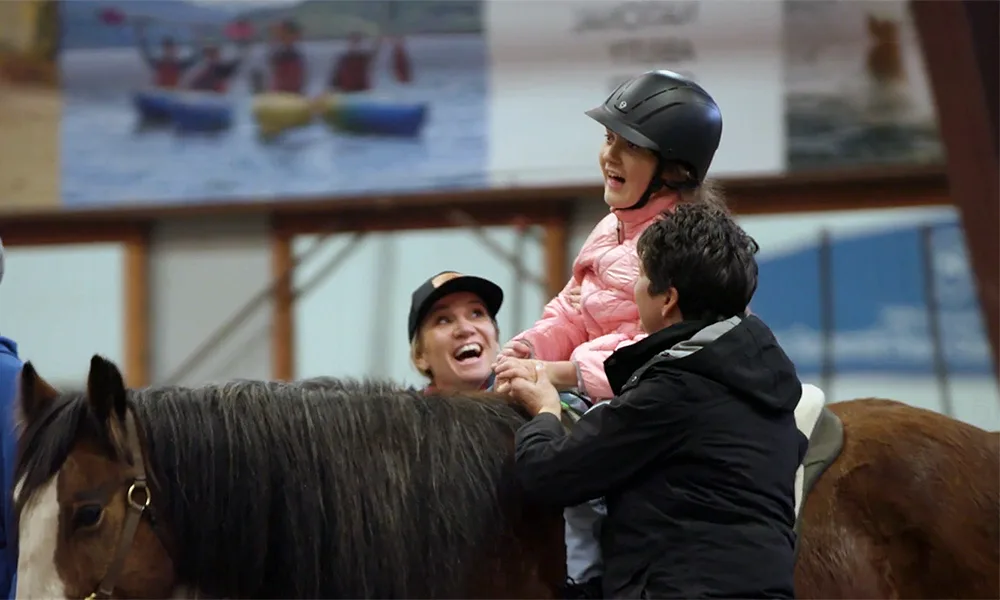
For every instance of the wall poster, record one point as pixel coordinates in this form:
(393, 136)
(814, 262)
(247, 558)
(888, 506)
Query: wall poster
(856, 89)
(177, 101)
(107, 103)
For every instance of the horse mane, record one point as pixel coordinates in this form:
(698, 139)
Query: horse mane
(45, 444)
(325, 487)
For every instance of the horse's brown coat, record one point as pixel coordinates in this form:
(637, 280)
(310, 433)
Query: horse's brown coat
(908, 510)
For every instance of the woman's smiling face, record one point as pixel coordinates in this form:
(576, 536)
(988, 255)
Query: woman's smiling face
(458, 342)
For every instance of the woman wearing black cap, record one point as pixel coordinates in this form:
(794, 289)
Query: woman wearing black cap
(453, 331)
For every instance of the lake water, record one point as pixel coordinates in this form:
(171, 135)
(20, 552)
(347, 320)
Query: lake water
(107, 159)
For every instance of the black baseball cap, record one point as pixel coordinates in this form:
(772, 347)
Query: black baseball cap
(450, 282)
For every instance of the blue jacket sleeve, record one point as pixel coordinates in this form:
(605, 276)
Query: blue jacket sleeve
(606, 447)
(10, 368)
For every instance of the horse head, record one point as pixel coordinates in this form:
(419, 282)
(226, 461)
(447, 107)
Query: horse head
(82, 502)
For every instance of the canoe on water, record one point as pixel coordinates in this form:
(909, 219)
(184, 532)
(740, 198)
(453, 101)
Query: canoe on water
(369, 116)
(153, 106)
(274, 113)
(186, 110)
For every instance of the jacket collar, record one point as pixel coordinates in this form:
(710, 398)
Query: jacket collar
(630, 218)
(620, 366)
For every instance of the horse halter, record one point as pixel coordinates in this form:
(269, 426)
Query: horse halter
(138, 499)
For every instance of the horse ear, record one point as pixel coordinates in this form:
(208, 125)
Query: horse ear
(106, 389)
(36, 393)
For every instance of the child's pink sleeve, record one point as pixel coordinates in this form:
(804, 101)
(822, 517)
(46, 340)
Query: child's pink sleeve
(589, 359)
(559, 331)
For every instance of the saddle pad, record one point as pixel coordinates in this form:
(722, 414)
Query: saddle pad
(825, 446)
(807, 414)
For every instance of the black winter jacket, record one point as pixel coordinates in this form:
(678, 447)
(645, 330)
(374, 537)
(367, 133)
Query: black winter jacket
(696, 456)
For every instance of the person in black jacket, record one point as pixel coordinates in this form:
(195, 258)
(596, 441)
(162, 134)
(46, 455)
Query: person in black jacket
(696, 454)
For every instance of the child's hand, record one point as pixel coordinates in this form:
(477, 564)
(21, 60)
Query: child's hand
(516, 349)
(573, 297)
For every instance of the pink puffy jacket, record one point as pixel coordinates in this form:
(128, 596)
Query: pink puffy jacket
(607, 317)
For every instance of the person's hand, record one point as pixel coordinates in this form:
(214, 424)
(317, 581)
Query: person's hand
(502, 385)
(528, 383)
(573, 297)
(514, 349)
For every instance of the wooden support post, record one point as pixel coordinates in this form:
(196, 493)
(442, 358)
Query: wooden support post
(959, 40)
(282, 308)
(135, 275)
(556, 256)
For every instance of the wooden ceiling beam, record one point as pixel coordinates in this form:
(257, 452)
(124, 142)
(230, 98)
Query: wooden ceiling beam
(798, 192)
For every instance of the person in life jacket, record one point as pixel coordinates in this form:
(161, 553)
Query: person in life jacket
(453, 331)
(168, 67)
(287, 64)
(215, 73)
(661, 133)
(352, 72)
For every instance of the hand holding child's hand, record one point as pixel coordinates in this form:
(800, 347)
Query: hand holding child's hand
(528, 382)
(506, 367)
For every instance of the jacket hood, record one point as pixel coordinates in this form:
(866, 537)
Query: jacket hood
(740, 353)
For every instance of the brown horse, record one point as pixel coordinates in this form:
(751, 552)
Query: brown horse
(249, 489)
(327, 488)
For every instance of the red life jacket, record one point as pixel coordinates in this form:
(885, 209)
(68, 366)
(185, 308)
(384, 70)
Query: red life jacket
(168, 74)
(287, 73)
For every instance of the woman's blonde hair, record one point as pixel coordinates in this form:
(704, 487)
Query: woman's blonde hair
(416, 349)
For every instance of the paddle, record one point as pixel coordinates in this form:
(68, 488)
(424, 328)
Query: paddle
(402, 68)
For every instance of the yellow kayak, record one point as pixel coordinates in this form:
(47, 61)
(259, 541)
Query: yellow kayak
(361, 114)
(275, 112)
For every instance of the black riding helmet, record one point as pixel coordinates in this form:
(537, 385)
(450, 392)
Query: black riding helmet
(670, 115)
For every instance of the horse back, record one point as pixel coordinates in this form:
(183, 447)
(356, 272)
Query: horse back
(908, 509)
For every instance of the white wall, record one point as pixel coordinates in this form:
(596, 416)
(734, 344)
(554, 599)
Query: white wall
(62, 305)
(202, 273)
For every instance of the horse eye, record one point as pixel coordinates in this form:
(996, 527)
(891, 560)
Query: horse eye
(87, 516)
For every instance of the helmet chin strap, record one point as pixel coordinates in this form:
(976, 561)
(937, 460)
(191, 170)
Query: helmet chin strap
(657, 183)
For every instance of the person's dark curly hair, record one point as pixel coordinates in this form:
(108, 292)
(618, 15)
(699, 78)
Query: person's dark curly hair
(699, 250)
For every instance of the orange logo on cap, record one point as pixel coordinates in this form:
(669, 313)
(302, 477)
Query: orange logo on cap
(444, 278)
